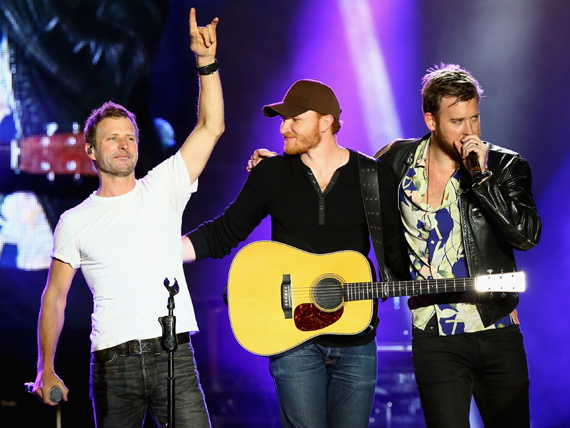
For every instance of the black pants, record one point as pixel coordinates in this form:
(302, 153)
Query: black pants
(489, 365)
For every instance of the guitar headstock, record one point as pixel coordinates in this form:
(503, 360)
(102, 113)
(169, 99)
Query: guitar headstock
(502, 282)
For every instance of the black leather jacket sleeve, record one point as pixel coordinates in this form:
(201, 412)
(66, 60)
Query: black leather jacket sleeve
(507, 200)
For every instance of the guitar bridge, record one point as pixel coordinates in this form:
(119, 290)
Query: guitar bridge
(286, 298)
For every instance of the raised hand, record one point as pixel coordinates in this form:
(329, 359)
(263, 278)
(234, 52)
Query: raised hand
(203, 40)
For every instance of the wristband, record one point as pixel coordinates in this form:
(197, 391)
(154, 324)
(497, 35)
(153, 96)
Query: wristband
(208, 69)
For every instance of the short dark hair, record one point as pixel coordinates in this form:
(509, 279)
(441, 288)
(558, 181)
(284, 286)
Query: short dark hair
(448, 80)
(109, 109)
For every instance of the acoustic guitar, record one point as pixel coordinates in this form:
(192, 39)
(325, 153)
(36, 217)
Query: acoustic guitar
(280, 296)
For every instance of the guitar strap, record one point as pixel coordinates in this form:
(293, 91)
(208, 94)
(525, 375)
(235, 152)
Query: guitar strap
(371, 197)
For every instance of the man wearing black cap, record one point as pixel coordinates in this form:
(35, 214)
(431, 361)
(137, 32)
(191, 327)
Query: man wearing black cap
(312, 193)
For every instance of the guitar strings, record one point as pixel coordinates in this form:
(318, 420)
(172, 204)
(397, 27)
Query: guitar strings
(410, 287)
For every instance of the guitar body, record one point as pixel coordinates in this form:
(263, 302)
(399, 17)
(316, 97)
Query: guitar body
(263, 272)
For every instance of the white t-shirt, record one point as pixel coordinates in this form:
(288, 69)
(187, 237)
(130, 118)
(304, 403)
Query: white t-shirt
(126, 246)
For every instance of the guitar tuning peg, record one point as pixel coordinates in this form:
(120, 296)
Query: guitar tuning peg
(489, 271)
(503, 295)
(516, 295)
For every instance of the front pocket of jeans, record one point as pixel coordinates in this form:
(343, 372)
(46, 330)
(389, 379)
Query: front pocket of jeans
(105, 357)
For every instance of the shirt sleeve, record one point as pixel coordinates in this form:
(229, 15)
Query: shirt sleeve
(65, 245)
(216, 238)
(172, 178)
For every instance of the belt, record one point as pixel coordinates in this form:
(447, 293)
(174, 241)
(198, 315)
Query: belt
(137, 347)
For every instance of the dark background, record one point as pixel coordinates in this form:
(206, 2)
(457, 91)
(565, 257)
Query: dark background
(373, 53)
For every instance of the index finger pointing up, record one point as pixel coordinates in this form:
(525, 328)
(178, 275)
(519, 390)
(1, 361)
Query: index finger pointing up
(193, 23)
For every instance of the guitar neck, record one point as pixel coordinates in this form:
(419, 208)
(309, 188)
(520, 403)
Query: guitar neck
(512, 282)
(380, 290)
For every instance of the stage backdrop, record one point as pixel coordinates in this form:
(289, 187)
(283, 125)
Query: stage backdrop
(61, 59)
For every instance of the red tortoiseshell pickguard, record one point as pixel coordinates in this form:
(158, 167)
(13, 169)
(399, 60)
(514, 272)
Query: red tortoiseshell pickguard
(309, 318)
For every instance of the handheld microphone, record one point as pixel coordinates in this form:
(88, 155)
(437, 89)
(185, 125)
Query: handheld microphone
(55, 394)
(473, 162)
(475, 167)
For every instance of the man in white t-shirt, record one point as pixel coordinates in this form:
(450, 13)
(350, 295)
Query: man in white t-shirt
(125, 237)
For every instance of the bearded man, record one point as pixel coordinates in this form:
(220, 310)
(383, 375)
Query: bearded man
(464, 218)
(312, 193)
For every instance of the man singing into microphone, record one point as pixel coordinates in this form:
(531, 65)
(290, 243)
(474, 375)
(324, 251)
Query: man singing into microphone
(459, 223)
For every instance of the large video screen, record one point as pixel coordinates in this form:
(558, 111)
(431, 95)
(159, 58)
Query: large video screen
(59, 60)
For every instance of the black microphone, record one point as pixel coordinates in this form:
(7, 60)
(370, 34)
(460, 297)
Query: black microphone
(55, 394)
(476, 172)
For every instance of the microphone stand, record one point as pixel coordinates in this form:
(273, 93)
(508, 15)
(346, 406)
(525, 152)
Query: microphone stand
(169, 343)
(55, 395)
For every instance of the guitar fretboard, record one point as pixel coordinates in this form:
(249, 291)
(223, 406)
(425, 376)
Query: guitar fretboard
(379, 290)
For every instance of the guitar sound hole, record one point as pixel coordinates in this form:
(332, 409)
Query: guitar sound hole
(328, 294)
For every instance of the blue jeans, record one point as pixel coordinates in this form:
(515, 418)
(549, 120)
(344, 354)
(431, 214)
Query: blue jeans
(489, 365)
(123, 387)
(320, 387)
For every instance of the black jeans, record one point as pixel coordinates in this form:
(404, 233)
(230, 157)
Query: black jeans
(123, 387)
(489, 365)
